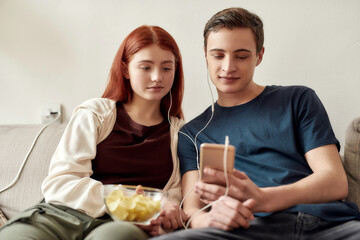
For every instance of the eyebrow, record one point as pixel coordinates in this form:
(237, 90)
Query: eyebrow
(163, 62)
(222, 50)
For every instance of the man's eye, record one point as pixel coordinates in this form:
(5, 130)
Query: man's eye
(218, 56)
(242, 57)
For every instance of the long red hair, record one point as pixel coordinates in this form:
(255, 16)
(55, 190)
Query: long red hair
(118, 87)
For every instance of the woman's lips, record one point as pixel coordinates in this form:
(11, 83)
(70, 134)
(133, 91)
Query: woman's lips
(156, 87)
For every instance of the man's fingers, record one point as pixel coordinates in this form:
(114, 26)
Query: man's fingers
(229, 213)
(239, 174)
(209, 191)
(250, 203)
(239, 207)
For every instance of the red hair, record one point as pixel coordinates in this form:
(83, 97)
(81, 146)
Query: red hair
(118, 87)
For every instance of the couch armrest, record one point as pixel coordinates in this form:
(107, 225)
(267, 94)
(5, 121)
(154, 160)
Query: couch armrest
(352, 160)
(15, 142)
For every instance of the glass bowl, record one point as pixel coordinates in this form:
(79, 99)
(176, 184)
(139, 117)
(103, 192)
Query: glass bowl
(134, 204)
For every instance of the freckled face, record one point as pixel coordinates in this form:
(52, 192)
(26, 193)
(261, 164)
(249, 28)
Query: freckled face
(151, 72)
(231, 58)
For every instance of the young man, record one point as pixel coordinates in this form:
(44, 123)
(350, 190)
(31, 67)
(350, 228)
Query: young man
(289, 181)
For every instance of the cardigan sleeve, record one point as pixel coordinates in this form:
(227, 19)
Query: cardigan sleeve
(68, 182)
(173, 187)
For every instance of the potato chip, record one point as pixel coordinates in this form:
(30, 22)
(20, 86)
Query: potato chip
(136, 207)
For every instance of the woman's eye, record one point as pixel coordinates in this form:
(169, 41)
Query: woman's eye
(144, 67)
(167, 68)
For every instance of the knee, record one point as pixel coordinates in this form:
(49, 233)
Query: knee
(21, 231)
(117, 231)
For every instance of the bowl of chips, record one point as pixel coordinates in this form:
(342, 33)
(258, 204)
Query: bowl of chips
(134, 204)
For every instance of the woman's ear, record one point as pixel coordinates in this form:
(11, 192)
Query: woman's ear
(125, 70)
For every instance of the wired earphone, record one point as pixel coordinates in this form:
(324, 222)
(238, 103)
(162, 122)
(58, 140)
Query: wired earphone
(197, 155)
(16, 178)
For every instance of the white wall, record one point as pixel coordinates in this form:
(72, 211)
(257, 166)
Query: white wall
(60, 51)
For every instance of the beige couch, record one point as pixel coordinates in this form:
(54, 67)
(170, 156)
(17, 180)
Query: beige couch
(351, 160)
(15, 141)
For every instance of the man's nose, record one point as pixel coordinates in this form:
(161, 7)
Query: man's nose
(228, 65)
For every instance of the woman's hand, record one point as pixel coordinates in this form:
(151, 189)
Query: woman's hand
(172, 217)
(154, 228)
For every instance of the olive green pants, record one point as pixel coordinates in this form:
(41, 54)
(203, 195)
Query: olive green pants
(55, 222)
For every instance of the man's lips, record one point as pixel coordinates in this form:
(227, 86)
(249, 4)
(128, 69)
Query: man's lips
(228, 78)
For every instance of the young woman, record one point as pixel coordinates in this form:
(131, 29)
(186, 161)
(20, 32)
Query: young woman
(124, 137)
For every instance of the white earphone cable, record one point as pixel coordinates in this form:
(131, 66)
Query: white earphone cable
(27, 155)
(197, 154)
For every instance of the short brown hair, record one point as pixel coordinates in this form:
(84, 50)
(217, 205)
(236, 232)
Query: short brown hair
(236, 18)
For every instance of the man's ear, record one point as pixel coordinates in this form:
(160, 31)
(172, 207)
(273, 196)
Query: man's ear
(205, 56)
(125, 70)
(260, 56)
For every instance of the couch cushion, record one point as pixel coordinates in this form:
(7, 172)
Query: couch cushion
(15, 142)
(352, 160)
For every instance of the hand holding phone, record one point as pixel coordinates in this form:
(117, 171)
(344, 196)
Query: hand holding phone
(212, 156)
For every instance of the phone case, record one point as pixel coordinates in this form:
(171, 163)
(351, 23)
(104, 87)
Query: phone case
(212, 155)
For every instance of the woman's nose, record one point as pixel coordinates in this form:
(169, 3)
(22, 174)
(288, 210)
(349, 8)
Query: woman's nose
(156, 76)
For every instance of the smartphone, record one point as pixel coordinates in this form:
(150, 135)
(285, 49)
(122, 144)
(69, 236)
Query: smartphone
(212, 155)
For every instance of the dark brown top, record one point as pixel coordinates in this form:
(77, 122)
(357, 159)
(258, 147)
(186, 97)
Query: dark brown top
(134, 154)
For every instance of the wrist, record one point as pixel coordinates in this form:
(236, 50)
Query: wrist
(197, 220)
(273, 199)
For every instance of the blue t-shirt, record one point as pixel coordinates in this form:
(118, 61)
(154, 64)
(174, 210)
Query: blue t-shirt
(271, 134)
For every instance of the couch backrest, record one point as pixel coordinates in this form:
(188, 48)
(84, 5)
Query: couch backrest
(15, 142)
